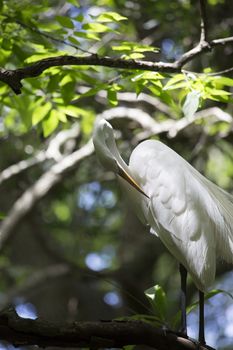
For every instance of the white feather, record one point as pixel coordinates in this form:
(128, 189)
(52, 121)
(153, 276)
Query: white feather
(192, 216)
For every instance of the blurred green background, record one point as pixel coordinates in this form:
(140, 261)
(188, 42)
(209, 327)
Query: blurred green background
(81, 253)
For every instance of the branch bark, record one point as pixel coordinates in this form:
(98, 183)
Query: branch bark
(203, 36)
(13, 78)
(96, 335)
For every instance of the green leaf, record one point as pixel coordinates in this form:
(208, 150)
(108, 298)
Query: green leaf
(134, 56)
(60, 115)
(110, 17)
(224, 81)
(88, 36)
(73, 111)
(112, 97)
(65, 21)
(131, 46)
(79, 18)
(218, 92)
(41, 112)
(139, 86)
(129, 347)
(214, 292)
(66, 79)
(73, 40)
(173, 81)
(40, 56)
(148, 76)
(73, 2)
(50, 123)
(87, 123)
(192, 306)
(224, 99)
(2, 216)
(191, 103)
(176, 86)
(96, 27)
(208, 296)
(158, 300)
(93, 91)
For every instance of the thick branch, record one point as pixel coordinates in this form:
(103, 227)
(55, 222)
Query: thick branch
(110, 334)
(13, 77)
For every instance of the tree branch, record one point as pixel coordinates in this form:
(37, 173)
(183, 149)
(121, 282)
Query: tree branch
(203, 36)
(33, 194)
(53, 152)
(13, 77)
(56, 173)
(151, 127)
(96, 335)
(131, 97)
(15, 169)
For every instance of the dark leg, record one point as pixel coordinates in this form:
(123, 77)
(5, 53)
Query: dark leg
(183, 276)
(201, 318)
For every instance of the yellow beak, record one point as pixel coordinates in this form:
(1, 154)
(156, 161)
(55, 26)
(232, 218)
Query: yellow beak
(122, 173)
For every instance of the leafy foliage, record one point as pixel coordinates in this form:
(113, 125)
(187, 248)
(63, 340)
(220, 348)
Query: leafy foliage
(77, 31)
(83, 223)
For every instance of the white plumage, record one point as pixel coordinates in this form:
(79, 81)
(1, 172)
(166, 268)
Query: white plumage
(192, 216)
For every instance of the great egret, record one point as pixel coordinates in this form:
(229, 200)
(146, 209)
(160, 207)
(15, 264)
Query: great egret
(191, 215)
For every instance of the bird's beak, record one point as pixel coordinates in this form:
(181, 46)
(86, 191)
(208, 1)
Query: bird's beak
(122, 173)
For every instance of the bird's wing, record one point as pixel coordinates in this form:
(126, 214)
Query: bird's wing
(222, 216)
(183, 224)
(177, 212)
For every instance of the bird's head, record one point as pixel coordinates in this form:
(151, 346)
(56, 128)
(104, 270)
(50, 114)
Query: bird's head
(105, 147)
(107, 152)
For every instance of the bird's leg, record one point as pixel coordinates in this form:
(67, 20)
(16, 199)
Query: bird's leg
(201, 337)
(183, 302)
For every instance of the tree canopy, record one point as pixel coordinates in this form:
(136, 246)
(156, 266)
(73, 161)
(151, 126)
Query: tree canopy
(71, 247)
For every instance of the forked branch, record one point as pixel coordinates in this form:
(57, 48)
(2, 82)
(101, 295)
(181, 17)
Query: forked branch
(13, 78)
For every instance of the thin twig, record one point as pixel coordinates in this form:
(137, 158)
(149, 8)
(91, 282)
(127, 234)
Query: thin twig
(46, 35)
(203, 36)
(228, 70)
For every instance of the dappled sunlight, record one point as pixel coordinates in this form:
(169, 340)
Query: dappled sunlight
(92, 195)
(100, 261)
(26, 310)
(113, 299)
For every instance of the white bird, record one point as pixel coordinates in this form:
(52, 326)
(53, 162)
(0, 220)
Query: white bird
(192, 216)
